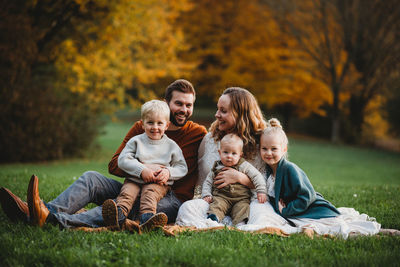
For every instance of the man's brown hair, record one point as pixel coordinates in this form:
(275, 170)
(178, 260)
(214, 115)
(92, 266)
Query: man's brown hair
(180, 85)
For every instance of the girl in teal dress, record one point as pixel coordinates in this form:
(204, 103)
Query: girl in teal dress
(289, 189)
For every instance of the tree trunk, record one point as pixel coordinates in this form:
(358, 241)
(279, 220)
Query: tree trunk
(357, 114)
(335, 132)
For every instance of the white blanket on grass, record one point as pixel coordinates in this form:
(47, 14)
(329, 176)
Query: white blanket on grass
(194, 213)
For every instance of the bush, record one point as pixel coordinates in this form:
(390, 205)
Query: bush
(45, 123)
(40, 118)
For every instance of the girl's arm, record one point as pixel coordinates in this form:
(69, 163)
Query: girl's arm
(297, 187)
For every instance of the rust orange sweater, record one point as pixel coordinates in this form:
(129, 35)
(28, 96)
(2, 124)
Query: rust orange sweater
(188, 139)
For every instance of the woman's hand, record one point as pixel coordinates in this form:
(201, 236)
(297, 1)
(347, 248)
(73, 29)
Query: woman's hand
(231, 176)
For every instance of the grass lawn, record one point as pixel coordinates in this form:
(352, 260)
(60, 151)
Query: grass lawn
(365, 179)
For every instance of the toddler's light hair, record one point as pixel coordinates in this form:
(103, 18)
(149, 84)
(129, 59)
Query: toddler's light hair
(232, 138)
(274, 127)
(155, 107)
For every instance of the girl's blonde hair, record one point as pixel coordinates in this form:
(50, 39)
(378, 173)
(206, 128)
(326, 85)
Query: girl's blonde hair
(274, 127)
(249, 120)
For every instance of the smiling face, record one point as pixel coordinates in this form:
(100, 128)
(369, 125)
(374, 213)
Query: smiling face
(272, 149)
(154, 125)
(181, 106)
(224, 115)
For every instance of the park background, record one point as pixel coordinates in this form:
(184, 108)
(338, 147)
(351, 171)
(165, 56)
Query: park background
(73, 74)
(325, 68)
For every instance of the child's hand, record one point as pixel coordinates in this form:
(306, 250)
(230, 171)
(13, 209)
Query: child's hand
(147, 175)
(154, 167)
(281, 205)
(162, 176)
(261, 197)
(208, 199)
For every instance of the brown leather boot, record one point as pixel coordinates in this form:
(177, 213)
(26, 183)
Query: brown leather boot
(13, 206)
(37, 210)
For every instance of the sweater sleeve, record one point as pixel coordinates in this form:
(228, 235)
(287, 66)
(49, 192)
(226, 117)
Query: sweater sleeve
(113, 165)
(178, 167)
(255, 176)
(301, 194)
(127, 160)
(207, 185)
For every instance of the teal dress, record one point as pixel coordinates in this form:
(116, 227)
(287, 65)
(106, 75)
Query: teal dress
(293, 186)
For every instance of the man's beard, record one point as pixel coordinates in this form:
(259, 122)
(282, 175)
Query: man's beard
(174, 122)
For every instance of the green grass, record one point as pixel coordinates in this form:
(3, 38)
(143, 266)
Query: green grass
(365, 179)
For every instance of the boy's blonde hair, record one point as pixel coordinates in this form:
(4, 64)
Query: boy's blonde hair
(232, 138)
(274, 127)
(155, 107)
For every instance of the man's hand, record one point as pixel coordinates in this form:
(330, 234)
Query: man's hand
(208, 199)
(261, 197)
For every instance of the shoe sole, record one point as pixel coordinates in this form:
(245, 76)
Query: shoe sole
(11, 207)
(156, 221)
(110, 213)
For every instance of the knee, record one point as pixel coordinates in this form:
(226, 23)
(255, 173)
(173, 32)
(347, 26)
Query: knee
(90, 178)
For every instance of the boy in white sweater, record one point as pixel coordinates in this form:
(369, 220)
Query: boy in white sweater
(141, 157)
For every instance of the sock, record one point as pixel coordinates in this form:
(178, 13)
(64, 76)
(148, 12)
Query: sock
(121, 216)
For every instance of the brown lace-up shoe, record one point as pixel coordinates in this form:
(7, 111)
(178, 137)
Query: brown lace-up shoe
(13, 206)
(37, 210)
(156, 221)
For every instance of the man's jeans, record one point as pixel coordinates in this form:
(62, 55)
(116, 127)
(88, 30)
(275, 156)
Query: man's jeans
(93, 187)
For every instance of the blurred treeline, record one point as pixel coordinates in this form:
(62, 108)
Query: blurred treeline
(332, 63)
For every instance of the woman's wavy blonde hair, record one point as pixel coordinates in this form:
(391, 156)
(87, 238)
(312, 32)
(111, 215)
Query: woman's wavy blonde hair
(249, 120)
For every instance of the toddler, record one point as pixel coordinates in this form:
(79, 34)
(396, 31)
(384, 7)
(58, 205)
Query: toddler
(154, 162)
(236, 197)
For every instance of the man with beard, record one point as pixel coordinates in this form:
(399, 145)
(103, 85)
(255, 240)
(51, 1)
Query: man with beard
(93, 187)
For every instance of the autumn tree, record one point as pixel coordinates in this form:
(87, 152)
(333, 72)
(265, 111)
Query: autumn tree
(40, 121)
(314, 25)
(135, 48)
(352, 47)
(64, 62)
(370, 34)
(238, 43)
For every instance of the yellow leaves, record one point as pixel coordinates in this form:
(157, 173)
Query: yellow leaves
(375, 125)
(131, 49)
